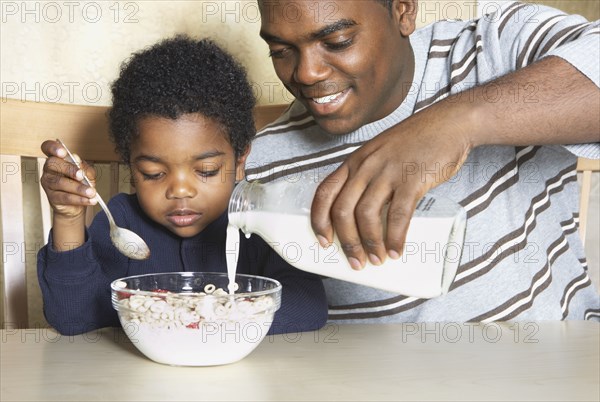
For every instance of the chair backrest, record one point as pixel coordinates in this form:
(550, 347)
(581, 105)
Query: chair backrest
(585, 167)
(24, 209)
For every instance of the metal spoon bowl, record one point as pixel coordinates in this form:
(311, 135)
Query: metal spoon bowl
(126, 241)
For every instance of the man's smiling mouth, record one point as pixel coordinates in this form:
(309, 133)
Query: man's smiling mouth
(328, 98)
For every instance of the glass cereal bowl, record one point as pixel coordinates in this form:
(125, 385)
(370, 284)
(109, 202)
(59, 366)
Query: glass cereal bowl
(190, 319)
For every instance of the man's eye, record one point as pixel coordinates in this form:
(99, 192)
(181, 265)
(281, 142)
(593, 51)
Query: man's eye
(277, 53)
(155, 176)
(339, 45)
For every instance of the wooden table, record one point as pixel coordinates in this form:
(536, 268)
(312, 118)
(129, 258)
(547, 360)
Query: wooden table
(435, 361)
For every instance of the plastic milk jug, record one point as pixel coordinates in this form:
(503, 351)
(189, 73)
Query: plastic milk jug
(279, 212)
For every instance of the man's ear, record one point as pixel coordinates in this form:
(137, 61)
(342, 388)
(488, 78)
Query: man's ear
(240, 164)
(404, 13)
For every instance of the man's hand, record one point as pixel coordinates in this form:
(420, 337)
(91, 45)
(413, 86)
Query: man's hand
(397, 168)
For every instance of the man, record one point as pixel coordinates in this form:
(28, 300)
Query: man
(475, 111)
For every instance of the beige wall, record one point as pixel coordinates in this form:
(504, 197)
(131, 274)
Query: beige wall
(69, 52)
(588, 8)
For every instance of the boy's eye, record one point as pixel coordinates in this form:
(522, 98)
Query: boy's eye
(154, 176)
(208, 173)
(208, 169)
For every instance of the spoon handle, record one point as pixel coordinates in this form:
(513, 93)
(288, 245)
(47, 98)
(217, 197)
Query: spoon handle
(88, 182)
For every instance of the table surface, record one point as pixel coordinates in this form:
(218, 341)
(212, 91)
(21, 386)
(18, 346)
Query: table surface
(426, 361)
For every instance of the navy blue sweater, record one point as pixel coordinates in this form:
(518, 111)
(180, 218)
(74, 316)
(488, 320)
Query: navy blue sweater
(75, 284)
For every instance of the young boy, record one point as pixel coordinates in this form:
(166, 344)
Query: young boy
(182, 120)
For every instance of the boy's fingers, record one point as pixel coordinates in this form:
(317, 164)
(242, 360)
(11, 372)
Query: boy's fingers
(86, 169)
(60, 167)
(59, 162)
(89, 170)
(58, 182)
(53, 148)
(71, 199)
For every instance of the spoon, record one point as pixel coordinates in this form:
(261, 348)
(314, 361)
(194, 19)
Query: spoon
(127, 242)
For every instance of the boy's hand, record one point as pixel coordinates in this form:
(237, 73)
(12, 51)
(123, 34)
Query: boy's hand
(63, 182)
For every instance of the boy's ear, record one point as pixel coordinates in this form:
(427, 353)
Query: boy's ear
(404, 12)
(241, 164)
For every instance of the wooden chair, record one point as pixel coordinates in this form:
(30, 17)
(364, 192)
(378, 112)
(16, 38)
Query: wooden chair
(585, 167)
(24, 126)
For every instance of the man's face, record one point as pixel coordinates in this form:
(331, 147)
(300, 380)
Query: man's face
(349, 62)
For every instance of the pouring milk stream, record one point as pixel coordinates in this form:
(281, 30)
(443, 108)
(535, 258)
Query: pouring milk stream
(279, 212)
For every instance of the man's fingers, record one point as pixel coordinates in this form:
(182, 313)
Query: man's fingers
(344, 214)
(323, 200)
(344, 223)
(370, 220)
(333, 207)
(399, 214)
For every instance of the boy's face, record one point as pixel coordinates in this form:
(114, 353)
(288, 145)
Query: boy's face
(349, 62)
(184, 171)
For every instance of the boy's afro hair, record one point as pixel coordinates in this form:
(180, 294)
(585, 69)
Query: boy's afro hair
(178, 76)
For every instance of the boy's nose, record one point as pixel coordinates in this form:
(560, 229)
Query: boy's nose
(181, 187)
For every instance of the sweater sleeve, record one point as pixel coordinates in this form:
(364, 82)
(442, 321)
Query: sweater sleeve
(75, 284)
(75, 291)
(522, 33)
(519, 34)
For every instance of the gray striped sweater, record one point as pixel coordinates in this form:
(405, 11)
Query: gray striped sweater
(522, 258)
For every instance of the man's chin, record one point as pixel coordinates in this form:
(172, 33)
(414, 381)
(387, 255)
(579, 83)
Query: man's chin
(337, 127)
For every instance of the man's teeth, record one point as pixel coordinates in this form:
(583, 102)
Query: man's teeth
(327, 99)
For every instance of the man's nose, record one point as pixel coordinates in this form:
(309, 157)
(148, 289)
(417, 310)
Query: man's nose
(311, 68)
